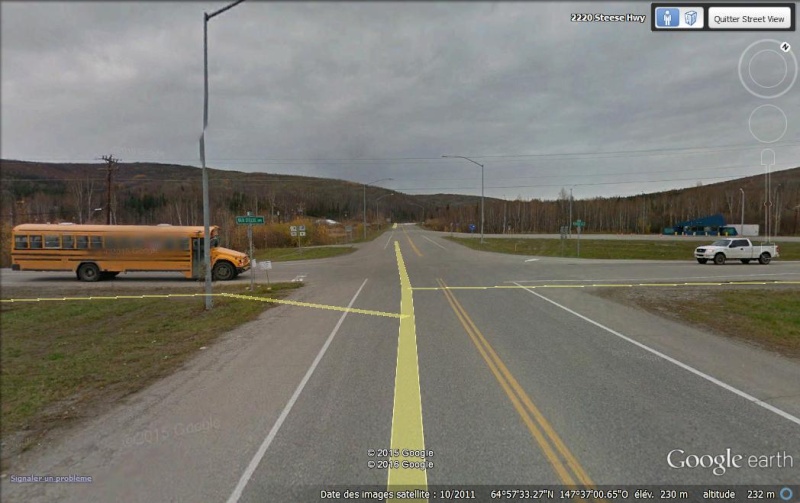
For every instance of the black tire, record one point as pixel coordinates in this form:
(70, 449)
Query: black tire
(223, 271)
(745, 261)
(765, 258)
(89, 272)
(702, 260)
(719, 259)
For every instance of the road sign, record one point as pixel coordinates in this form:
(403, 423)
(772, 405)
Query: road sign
(265, 265)
(472, 227)
(293, 228)
(294, 233)
(302, 234)
(250, 220)
(348, 228)
(302, 228)
(579, 223)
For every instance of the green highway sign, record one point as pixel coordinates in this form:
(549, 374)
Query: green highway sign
(249, 220)
(579, 223)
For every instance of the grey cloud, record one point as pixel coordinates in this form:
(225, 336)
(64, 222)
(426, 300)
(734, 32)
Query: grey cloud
(386, 80)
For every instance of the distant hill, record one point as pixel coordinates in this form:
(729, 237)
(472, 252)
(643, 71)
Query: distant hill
(155, 193)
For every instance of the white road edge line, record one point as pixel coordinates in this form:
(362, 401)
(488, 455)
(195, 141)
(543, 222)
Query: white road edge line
(237, 492)
(532, 260)
(673, 279)
(434, 242)
(684, 366)
(388, 240)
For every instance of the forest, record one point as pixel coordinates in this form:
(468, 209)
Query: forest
(148, 193)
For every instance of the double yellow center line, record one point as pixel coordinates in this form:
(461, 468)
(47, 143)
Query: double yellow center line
(564, 463)
(413, 246)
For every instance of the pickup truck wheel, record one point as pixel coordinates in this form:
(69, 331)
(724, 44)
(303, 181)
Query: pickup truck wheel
(745, 261)
(702, 260)
(719, 258)
(764, 258)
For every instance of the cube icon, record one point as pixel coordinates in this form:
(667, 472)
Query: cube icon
(691, 17)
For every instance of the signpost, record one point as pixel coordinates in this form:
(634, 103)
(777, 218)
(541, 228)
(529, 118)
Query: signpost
(579, 223)
(266, 266)
(298, 231)
(249, 220)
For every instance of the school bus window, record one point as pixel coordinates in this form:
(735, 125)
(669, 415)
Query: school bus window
(36, 242)
(112, 242)
(96, 241)
(82, 242)
(52, 241)
(20, 242)
(68, 242)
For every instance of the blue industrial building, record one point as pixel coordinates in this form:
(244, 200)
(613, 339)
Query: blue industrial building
(713, 225)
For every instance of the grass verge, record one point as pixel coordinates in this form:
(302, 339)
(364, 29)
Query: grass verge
(604, 248)
(62, 359)
(286, 254)
(768, 318)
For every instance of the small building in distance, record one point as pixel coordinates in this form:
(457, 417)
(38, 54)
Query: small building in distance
(713, 225)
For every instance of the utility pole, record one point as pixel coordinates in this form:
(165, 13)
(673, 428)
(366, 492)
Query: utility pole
(110, 167)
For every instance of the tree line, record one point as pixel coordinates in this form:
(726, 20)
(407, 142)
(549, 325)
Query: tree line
(152, 194)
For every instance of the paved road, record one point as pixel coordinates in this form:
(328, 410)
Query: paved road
(483, 361)
(648, 237)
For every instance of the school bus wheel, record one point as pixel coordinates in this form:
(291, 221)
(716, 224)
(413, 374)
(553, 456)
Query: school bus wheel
(88, 272)
(223, 271)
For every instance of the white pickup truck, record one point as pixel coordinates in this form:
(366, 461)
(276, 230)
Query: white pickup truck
(736, 249)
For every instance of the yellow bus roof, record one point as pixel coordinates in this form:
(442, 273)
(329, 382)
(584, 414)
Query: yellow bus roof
(184, 230)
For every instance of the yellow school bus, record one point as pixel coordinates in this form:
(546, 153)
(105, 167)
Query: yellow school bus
(95, 252)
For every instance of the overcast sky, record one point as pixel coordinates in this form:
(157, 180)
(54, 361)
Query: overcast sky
(364, 91)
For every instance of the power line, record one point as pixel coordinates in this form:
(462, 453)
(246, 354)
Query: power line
(499, 158)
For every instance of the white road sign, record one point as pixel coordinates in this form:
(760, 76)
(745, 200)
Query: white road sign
(293, 228)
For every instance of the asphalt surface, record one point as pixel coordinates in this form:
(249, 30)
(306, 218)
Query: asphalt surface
(544, 384)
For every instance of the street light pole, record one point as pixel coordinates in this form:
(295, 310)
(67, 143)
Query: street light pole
(570, 211)
(376, 203)
(365, 202)
(742, 229)
(423, 212)
(482, 185)
(206, 210)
